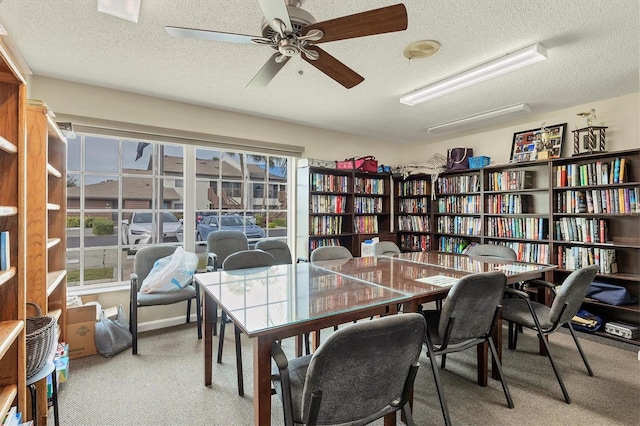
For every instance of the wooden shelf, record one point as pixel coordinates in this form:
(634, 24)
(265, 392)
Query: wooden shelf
(6, 211)
(7, 146)
(7, 275)
(7, 396)
(52, 242)
(9, 331)
(52, 171)
(54, 278)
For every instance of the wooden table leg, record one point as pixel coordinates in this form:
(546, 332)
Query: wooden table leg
(210, 312)
(497, 341)
(315, 340)
(299, 339)
(262, 380)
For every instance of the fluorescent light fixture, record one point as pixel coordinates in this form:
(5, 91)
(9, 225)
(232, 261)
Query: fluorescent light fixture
(481, 119)
(521, 58)
(123, 9)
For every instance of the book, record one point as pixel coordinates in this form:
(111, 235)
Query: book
(5, 252)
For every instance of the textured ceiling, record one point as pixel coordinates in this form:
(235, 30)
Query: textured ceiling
(593, 52)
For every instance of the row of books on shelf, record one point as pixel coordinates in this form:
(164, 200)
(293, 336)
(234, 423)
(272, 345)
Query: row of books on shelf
(414, 242)
(509, 204)
(465, 204)
(464, 225)
(413, 187)
(328, 183)
(344, 299)
(511, 180)
(578, 257)
(594, 173)
(452, 244)
(326, 225)
(414, 223)
(5, 250)
(366, 224)
(581, 229)
(368, 205)
(414, 205)
(368, 186)
(457, 184)
(611, 200)
(531, 228)
(323, 242)
(528, 252)
(328, 203)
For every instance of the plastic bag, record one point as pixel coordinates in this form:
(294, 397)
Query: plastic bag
(170, 273)
(112, 337)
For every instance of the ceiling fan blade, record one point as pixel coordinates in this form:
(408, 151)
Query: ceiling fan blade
(334, 68)
(216, 36)
(276, 10)
(377, 21)
(268, 71)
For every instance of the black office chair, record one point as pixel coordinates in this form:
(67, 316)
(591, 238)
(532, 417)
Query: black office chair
(467, 318)
(244, 259)
(361, 373)
(142, 265)
(546, 320)
(385, 248)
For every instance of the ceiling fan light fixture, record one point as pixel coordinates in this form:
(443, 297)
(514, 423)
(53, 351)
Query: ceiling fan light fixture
(513, 61)
(421, 49)
(123, 9)
(481, 119)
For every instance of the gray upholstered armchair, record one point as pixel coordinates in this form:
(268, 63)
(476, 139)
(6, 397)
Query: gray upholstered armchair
(385, 248)
(467, 318)
(330, 253)
(546, 320)
(278, 249)
(361, 373)
(221, 244)
(142, 265)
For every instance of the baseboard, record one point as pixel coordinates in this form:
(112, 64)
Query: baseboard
(164, 323)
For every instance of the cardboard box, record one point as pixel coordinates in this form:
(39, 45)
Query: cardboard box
(81, 329)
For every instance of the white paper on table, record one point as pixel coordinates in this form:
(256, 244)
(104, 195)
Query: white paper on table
(439, 280)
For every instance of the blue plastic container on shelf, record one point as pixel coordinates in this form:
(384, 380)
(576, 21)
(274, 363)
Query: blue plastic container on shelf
(479, 162)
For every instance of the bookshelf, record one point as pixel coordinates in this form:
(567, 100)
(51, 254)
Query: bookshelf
(341, 207)
(46, 233)
(595, 221)
(413, 213)
(12, 221)
(568, 212)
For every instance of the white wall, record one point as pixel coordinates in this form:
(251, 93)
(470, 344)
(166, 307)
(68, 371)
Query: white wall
(621, 115)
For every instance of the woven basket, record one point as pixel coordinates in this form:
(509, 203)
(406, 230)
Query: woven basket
(41, 340)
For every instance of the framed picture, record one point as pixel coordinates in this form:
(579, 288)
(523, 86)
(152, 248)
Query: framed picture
(538, 144)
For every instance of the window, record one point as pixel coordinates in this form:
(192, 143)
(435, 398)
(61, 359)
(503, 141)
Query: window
(123, 194)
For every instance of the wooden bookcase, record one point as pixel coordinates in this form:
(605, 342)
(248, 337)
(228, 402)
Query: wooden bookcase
(533, 209)
(12, 221)
(341, 207)
(46, 211)
(413, 213)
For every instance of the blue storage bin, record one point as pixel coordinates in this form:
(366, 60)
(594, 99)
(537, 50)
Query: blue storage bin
(479, 162)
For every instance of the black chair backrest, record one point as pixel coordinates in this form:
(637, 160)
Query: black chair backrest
(247, 259)
(330, 253)
(363, 367)
(223, 243)
(145, 258)
(492, 250)
(572, 292)
(278, 249)
(472, 303)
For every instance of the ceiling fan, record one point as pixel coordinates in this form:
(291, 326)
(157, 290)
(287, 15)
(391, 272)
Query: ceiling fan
(292, 31)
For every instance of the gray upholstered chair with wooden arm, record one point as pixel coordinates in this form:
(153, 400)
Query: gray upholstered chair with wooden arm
(361, 373)
(385, 248)
(245, 261)
(142, 264)
(544, 319)
(467, 318)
